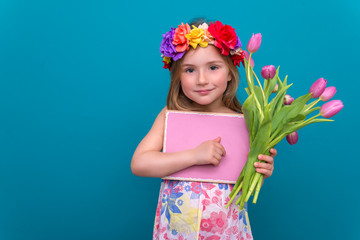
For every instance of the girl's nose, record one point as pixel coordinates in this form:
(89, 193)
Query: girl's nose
(202, 79)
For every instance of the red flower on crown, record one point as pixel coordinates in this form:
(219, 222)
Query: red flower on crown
(238, 58)
(225, 36)
(167, 65)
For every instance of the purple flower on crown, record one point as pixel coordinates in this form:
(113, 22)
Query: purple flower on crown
(238, 43)
(167, 48)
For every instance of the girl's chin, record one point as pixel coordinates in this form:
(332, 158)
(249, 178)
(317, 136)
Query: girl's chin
(202, 103)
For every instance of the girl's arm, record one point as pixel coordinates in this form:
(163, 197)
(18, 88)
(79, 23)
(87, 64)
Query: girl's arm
(149, 161)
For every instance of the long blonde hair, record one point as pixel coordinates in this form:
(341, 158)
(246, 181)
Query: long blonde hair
(177, 100)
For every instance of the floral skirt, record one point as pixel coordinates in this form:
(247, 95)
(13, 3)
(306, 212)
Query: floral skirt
(196, 210)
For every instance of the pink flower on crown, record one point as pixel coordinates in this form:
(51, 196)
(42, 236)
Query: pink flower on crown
(207, 36)
(180, 41)
(225, 37)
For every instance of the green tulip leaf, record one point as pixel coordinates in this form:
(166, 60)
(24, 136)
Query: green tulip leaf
(246, 110)
(299, 117)
(315, 120)
(281, 85)
(285, 80)
(259, 96)
(251, 115)
(278, 101)
(311, 110)
(286, 130)
(289, 112)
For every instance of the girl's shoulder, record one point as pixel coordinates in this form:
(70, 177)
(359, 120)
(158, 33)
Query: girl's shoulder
(162, 115)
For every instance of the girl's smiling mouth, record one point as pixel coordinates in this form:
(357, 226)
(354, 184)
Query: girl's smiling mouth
(204, 92)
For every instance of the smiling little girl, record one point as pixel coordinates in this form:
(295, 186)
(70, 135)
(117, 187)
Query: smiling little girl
(204, 78)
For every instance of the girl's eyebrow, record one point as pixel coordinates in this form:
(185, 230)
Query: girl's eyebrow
(207, 63)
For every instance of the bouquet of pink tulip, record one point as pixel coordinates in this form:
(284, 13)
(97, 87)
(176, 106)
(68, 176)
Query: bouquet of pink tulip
(269, 123)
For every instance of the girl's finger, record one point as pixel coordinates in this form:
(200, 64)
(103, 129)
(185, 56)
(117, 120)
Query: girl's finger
(266, 158)
(266, 172)
(264, 165)
(222, 148)
(273, 152)
(220, 152)
(217, 156)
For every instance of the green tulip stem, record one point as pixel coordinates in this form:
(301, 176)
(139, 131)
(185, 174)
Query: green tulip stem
(248, 75)
(251, 87)
(313, 104)
(257, 190)
(307, 121)
(311, 110)
(252, 186)
(239, 180)
(241, 198)
(262, 91)
(274, 135)
(277, 140)
(236, 192)
(259, 108)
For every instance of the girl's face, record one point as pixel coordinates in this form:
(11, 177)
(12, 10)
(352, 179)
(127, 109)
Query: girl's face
(204, 76)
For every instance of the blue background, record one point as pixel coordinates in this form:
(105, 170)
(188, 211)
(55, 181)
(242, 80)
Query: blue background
(81, 83)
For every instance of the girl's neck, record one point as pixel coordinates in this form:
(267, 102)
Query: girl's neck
(217, 108)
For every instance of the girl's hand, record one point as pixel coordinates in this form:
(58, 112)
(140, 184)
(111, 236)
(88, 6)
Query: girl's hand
(266, 168)
(209, 152)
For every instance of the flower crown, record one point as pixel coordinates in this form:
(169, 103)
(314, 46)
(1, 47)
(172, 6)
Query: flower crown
(176, 42)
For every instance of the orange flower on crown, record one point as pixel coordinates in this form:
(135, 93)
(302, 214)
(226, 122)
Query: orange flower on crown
(180, 40)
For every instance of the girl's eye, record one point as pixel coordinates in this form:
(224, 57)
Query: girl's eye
(190, 70)
(214, 67)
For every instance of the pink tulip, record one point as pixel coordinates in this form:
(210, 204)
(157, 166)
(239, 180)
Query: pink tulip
(268, 72)
(328, 93)
(318, 87)
(276, 88)
(288, 99)
(254, 43)
(247, 58)
(331, 108)
(292, 138)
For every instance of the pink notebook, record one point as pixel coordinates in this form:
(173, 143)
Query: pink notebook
(185, 130)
